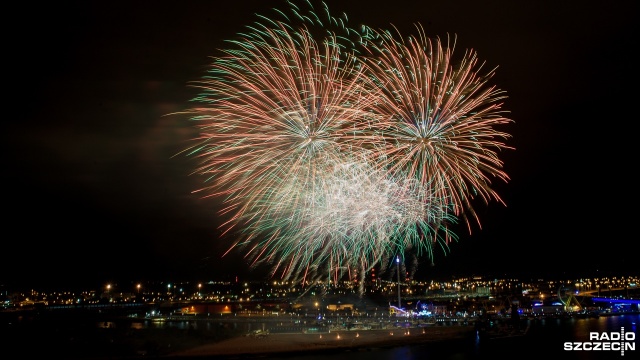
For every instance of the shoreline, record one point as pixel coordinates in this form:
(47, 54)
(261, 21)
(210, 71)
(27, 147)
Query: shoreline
(299, 343)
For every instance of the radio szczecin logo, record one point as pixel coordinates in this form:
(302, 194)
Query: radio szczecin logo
(605, 341)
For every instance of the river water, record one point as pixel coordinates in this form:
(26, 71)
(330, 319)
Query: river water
(550, 338)
(563, 338)
(545, 339)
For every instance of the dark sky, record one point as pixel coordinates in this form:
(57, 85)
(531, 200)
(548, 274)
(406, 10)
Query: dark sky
(93, 192)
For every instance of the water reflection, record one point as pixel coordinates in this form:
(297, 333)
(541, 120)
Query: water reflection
(182, 325)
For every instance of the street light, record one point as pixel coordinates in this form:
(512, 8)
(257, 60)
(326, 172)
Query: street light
(109, 292)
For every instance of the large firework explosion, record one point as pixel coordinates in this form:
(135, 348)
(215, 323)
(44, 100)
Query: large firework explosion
(334, 150)
(348, 221)
(438, 118)
(278, 109)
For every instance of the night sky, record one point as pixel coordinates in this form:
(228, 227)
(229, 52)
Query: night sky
(94, 191)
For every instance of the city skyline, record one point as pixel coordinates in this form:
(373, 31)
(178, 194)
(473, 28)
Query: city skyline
(96, 190)
(611, 287)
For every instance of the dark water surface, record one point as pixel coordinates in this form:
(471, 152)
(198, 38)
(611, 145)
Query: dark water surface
(545, 339)
(90, 336)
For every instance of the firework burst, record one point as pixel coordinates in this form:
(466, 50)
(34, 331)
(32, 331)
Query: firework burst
(279, 111)
(438, 119)
(335, 152)
(345, 223)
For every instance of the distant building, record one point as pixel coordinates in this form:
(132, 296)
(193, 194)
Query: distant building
(339, 307)
(483, 290)
(199, 309)
(430, 309)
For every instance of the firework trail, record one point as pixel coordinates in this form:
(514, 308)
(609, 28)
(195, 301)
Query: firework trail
(438, 119)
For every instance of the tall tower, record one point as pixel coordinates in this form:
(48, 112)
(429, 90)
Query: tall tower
(398, 271)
